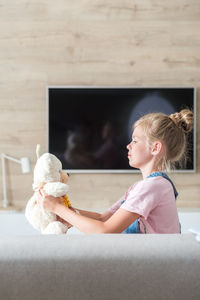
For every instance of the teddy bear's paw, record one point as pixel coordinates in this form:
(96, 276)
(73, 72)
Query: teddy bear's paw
(55, 227)
(56, 189)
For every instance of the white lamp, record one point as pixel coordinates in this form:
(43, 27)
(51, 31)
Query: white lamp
(26, 168)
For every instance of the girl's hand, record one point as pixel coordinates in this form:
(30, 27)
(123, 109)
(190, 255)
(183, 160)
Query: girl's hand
(47, 202)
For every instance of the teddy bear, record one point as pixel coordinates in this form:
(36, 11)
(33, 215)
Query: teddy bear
(48, 174)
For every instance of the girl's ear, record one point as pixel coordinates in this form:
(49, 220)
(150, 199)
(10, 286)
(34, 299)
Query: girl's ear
(157, 147)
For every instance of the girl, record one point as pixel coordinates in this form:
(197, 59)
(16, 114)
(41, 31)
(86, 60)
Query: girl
(158, 141)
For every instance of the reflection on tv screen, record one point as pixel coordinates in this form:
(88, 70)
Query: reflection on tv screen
(89, 128)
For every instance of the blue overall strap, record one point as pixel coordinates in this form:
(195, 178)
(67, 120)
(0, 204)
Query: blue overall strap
(155, 174)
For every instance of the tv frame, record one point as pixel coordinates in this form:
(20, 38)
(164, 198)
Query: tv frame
(122, 171)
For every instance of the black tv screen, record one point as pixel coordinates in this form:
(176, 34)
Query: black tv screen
(90, 127)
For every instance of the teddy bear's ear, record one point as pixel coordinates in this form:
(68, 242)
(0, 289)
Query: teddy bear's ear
(38, 151)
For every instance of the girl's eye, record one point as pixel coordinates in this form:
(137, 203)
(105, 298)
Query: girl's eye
(134, 141)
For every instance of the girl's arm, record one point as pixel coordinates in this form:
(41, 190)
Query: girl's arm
(94, 215)
(114, 224)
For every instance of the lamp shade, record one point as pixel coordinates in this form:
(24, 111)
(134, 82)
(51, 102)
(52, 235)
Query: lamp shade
(25, 164)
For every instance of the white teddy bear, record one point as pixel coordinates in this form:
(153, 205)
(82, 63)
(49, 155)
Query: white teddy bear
(48, 175)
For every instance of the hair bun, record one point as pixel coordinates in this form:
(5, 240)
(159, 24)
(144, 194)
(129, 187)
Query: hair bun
(183, 119)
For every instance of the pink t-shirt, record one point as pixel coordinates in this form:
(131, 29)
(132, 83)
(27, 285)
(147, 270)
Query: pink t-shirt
(153, 199)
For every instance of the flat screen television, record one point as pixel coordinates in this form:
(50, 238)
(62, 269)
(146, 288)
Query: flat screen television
(89, 127)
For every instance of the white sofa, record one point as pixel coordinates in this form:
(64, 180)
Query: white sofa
(100, 267)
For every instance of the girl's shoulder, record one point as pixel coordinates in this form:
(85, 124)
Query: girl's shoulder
(157, 181)
(151, 183)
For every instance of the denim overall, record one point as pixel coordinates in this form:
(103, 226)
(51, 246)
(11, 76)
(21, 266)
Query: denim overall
(134, 227)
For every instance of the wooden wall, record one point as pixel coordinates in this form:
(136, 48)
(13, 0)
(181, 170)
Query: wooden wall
(102, 42)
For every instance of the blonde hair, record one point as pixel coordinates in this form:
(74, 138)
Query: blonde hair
(172, 132)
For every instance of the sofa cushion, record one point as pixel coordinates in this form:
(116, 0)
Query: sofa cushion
(107, 266)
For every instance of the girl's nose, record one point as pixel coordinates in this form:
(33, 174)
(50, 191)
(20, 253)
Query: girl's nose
(128, 146)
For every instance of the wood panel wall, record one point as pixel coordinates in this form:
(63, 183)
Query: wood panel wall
(102, 42)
